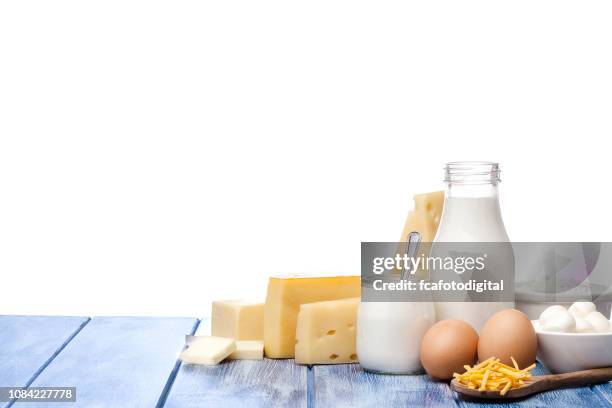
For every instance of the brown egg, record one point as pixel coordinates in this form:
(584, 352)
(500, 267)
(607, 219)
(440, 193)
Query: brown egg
(506, 334)
(446, 347)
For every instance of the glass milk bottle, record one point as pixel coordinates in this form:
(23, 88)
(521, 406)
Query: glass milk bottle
(472, 214)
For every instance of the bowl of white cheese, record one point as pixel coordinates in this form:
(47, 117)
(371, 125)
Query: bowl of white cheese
(574, 338)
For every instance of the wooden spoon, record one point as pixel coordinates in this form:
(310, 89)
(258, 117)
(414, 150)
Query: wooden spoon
(541, 383)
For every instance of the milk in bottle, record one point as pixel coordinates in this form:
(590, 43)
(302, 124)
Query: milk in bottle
(472, 214)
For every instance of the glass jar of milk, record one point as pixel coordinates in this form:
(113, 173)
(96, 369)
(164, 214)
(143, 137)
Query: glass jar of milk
(472, 214)
(389, 335)
(389, 332)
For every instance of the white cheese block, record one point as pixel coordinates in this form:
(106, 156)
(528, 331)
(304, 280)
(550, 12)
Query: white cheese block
(247, 350)
(208, 350)
(238, 319)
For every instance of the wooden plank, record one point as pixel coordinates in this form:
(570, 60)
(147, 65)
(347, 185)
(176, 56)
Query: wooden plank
(265, 383)
(257, 383)
(604, 391)
(29, 343)
(347, 385)
(118, 361)
(573, 397)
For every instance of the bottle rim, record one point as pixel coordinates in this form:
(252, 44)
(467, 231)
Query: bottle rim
(472, 172)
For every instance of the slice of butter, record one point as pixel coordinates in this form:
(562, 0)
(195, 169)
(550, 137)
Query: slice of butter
(325, 332)
(286, 294)
(208, 350)
(425, 217)
(238, 319)
(247, 350)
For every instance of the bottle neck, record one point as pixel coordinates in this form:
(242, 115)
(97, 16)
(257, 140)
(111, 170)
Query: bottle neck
(472, 179)
(471, 206)
(456, 190)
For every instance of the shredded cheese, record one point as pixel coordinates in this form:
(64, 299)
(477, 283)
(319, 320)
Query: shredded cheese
(514, 363)
(492, 375)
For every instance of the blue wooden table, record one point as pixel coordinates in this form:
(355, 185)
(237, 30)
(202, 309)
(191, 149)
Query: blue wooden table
(133, 362)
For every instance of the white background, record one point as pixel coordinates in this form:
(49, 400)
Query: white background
(156, 155)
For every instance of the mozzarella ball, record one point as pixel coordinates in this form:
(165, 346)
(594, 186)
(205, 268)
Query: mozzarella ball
(550, 312)
(581, 309)
(582, 326)
(560, 322)
(598, 321)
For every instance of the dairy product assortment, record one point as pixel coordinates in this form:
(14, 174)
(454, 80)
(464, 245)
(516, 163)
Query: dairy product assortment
(581, 317)
(310, 318)
(321, 319)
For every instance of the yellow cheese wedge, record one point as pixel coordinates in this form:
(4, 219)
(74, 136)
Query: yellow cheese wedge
(238, 319)
(325, 332)
(286, 294)
(426, 216)
(247, 350)
(208, 350)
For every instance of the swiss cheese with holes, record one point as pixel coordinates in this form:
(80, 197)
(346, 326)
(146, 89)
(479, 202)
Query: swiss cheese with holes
(425, 217)
(285, 296)
(325, 332)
